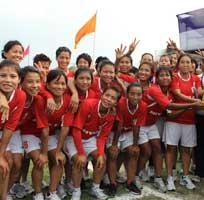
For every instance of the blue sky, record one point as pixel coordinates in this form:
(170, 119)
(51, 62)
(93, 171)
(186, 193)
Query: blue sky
(48, 24)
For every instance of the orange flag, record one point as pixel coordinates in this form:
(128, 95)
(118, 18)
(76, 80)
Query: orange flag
(87, 28)
(26, 52)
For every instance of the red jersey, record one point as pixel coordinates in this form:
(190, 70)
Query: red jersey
(16, 104)
(89, 121)
(33, 117)
(156, 103)
(127, 79)
(128, 118)
(96, 86)
(88, 95)
(189, 88)
(70, 74)
(44, 93)
(63, 116)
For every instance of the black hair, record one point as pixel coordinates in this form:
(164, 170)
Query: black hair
(147, 54)
(83, 69)
(86, 57)
(106, 62)
(9, 45)
(115, 89)
(127, 56)
(195, 62)
(10, 63)
(56, 73)
(133, 85)
(181, 56)
(63, 49)
(134, 70)
(147, 63)
(41, 57)
(28, 69)
(99, 60)
(163, 68)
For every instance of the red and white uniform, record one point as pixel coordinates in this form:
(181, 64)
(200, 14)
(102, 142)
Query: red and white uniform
(156, 103)
(127, 79)
(96, 86)
(16, 105)
(92, 125)
(33, 117)
(188, 88)
(182, 128)
(128, 120)
(32, 121)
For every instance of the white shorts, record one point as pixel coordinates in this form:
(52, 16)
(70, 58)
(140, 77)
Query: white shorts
(148, 133)
(52, 142)
(15, 144)
(175, 132)
(31, 143)
(88, 145)
(125, 140)
(160, 125)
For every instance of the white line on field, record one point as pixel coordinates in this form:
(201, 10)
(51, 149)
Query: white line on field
(146, 191)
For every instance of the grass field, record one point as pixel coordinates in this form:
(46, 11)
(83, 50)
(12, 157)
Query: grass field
(148, 193)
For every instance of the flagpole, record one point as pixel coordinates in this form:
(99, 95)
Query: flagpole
(94, 39)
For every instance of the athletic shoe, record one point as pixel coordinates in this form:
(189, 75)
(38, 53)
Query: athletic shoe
(186, 181)
(112, 190)
(69, 187)
(28, 187)
(38, 196)
(138, 182)
(106, 180)
(133, 188)
(9, 197)
(61, 191)
(195, 178)
(18, 190)
(76, 194)
(170, 184)
(98, 193)
(144, 176)
(121, 178)
(150, 171)
(159, 184)
(52, 196)
(174, 174)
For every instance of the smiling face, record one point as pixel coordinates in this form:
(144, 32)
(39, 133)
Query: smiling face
(31, 83)
(107, 73)
(109, 98)
(63, 60)
(164, 61)
(125, 65)
(184, 64)
(9, 80)
(15, 53)
(57, 86)
(83, 81)
(145, 72)
(134, 95)
(164, 78)
(147, 58)
(83, 63)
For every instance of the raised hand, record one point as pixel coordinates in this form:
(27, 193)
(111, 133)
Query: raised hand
(171, 44)
(120, 52)
(199, 52)
(133, 45)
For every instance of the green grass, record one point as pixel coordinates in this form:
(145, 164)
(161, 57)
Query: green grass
(181, 192)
